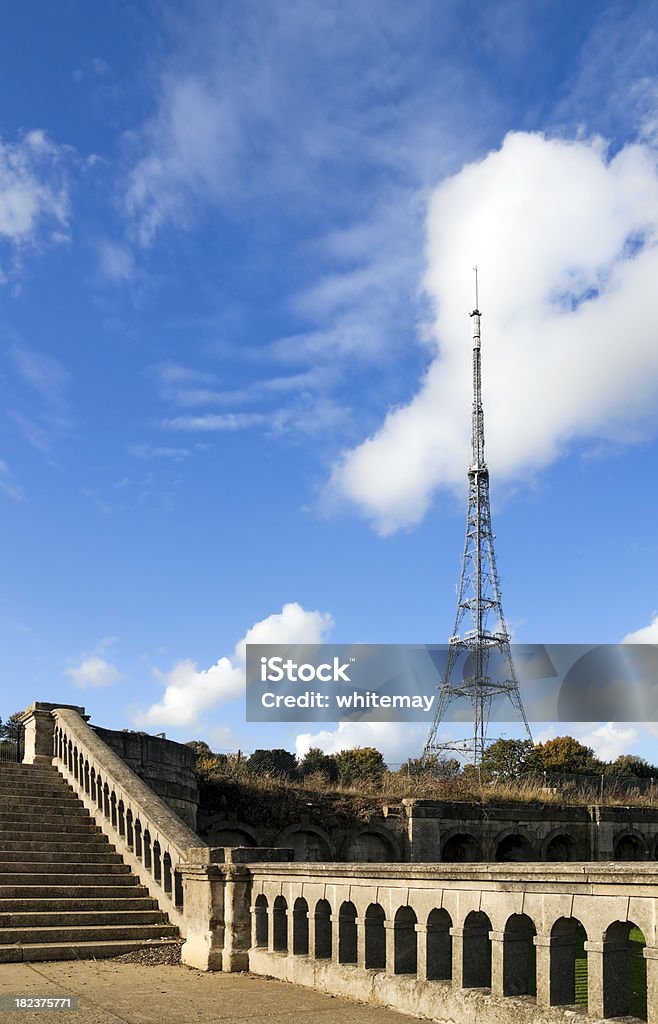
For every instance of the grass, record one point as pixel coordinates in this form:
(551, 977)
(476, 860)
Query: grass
(396, 786)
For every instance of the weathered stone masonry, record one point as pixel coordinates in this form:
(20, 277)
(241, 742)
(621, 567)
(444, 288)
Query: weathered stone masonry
(474, 943)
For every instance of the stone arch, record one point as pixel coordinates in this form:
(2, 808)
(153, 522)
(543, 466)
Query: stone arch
(347, 938)
(630, 845)
(624, 971)
(371, 844)
(460, 847)
(476, 969)
(375, 934)
(223, 832)
(405, 945)
(439, 946)
(519, 960)
(309, 843)
(568, 963)
(559, 846)
(512, 845)
(261, 930)
(322, 930)
(280, 925)
(300, 927)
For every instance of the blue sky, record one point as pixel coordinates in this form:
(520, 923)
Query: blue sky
(236, 244)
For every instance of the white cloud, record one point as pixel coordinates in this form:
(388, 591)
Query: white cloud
(189, 142)
(645, 635)
(94, 672)
(116, 262)
(396, 740)
(565, 240)
(190, 690)
(34, 203)
(8, 485)
(607, 739)
(610, 740)
(216, 421)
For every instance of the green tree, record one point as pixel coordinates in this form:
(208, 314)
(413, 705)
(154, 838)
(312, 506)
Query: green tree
(276, 763)
(568, 756)
(431, 766)
(360, 764)
(631, 765)
(316, 762)
(506, 760)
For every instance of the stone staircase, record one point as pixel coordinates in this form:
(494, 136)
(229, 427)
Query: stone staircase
(65, 893)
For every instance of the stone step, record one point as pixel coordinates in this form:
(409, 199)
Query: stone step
(79, 918)
(36, 789)
(35, 801)
(53, 868)
(91, 933)
(127, 886)
(64, 819)
(85, 876)
(83, 844)
(34, 952)
(59, 857)
(29, 771)
(50, 904)
(28, 830)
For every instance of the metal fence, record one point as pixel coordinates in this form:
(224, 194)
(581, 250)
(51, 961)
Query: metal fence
(12, 742)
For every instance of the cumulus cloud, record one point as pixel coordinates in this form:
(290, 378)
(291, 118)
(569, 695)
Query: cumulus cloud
(190, 690)
(397, 741)
(645, 635)
(564, 235)
(607, 739)
(94, 672)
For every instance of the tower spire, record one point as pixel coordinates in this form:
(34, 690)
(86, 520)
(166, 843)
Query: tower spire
(480, 635)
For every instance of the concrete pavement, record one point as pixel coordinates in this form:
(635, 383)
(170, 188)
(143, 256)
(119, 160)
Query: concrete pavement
(116, 993)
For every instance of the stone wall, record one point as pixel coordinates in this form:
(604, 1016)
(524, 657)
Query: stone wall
(421, 831)
(470, 943)
(169, 768)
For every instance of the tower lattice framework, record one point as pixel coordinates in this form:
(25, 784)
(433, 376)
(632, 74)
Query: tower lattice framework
(480, 636)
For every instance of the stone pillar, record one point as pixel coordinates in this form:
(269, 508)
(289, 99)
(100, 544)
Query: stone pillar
(651, 957)
(423, 830)
(457, 957)
(544, 951)
(237, 918)
(361, 927)
(335, 937)
(389, 927)
(204, 885)
(607, 978)
(421, 951)
(39, 733)
(40, 728)
(498, 963)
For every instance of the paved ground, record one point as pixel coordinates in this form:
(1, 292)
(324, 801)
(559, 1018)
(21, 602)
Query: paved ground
(116, 993)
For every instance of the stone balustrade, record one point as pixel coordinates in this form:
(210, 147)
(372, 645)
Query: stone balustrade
(150, 837)
(462, 942)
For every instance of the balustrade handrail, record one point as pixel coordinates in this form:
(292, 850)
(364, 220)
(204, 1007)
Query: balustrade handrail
(154, 839)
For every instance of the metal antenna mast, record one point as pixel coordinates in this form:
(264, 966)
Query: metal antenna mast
(481, 645)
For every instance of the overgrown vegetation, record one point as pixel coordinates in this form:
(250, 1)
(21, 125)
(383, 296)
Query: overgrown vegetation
(561, 770)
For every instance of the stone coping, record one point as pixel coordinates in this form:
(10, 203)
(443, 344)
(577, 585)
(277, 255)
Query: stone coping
(178, 834)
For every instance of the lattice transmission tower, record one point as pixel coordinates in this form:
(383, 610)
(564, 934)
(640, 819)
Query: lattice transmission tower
(480, 644)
